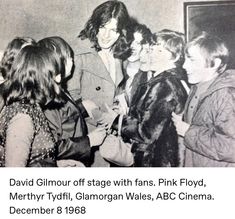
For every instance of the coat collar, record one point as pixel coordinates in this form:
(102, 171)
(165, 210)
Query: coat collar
(97, 67)
(175, 72)
(224, 80)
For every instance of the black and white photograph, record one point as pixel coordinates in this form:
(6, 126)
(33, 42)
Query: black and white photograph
(130, 83)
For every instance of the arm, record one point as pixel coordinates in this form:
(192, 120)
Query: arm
(74, 148)
(79, 148)
(67, 148)
(19, 137)
(74, 83)
(216, 141)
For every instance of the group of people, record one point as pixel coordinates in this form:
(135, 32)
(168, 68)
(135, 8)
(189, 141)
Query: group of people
(119, 96)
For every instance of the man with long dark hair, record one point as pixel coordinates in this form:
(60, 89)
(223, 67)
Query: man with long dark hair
(98, 56)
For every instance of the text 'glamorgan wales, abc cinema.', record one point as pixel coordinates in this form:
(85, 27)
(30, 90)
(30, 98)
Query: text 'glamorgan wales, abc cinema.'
(77, 193)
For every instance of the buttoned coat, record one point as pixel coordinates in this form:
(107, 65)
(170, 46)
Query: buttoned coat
(90, 79)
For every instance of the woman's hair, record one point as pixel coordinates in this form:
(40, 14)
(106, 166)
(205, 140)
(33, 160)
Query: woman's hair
(31, 78)
(172, 41)
(60, 48)
(211, 47)
(139, 28)
(100, 16)
(136, 27)
(12, 50)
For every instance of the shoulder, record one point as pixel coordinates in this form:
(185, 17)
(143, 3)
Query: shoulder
(21, 121)
(21, 118)
(82, 46)
(226, 79)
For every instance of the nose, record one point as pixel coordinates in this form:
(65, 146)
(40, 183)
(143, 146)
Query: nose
(106, 33)
(185, 65)
(132, 45)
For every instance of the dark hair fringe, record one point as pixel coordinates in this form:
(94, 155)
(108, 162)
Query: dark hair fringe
(100, 16)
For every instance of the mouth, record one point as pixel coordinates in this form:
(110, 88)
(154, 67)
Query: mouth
(105, 41)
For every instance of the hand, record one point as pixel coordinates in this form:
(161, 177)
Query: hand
(90, 106)
(97, 136)
(121, 107)
(181, 127)
(69, 163)
(108, 117)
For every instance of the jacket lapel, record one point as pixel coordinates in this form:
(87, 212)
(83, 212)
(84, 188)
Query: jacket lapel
(119, 73)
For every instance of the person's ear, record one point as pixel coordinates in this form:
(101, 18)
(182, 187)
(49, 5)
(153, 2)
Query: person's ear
(176, 58)
(58, 78)
(217, 63)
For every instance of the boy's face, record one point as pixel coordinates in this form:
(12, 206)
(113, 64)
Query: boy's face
(195, 65)
(108, 34)
(159, 57)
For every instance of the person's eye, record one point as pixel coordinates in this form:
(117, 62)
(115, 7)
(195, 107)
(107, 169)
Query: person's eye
(114, 30)
(190, 59)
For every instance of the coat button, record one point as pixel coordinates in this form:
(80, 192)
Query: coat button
(98, 88)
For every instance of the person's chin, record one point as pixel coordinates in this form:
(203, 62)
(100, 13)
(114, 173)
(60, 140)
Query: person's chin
(105, 44)
(134, 59)
(192, 81)
(144, 68)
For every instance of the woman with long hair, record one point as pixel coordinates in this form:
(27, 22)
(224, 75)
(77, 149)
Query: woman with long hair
(67, 120)
(11, 51)
(32, 82)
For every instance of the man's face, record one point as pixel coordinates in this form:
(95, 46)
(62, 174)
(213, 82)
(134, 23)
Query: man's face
(144, 57)
(136, 47)
(195, 65)
(108, 34)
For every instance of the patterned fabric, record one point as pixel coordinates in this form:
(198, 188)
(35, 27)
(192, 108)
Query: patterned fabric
(42, 152)
(210, 139)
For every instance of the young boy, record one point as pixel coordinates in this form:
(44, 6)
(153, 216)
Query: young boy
(209, 117)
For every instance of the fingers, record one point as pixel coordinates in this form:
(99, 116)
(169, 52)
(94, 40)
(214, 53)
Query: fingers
(100, 129)
(116, 107)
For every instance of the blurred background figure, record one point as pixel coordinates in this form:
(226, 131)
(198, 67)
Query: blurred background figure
(140, 36)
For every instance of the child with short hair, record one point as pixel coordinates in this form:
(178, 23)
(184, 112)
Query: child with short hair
(209, 117)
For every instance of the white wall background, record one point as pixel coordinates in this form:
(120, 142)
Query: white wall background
(41, 18)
